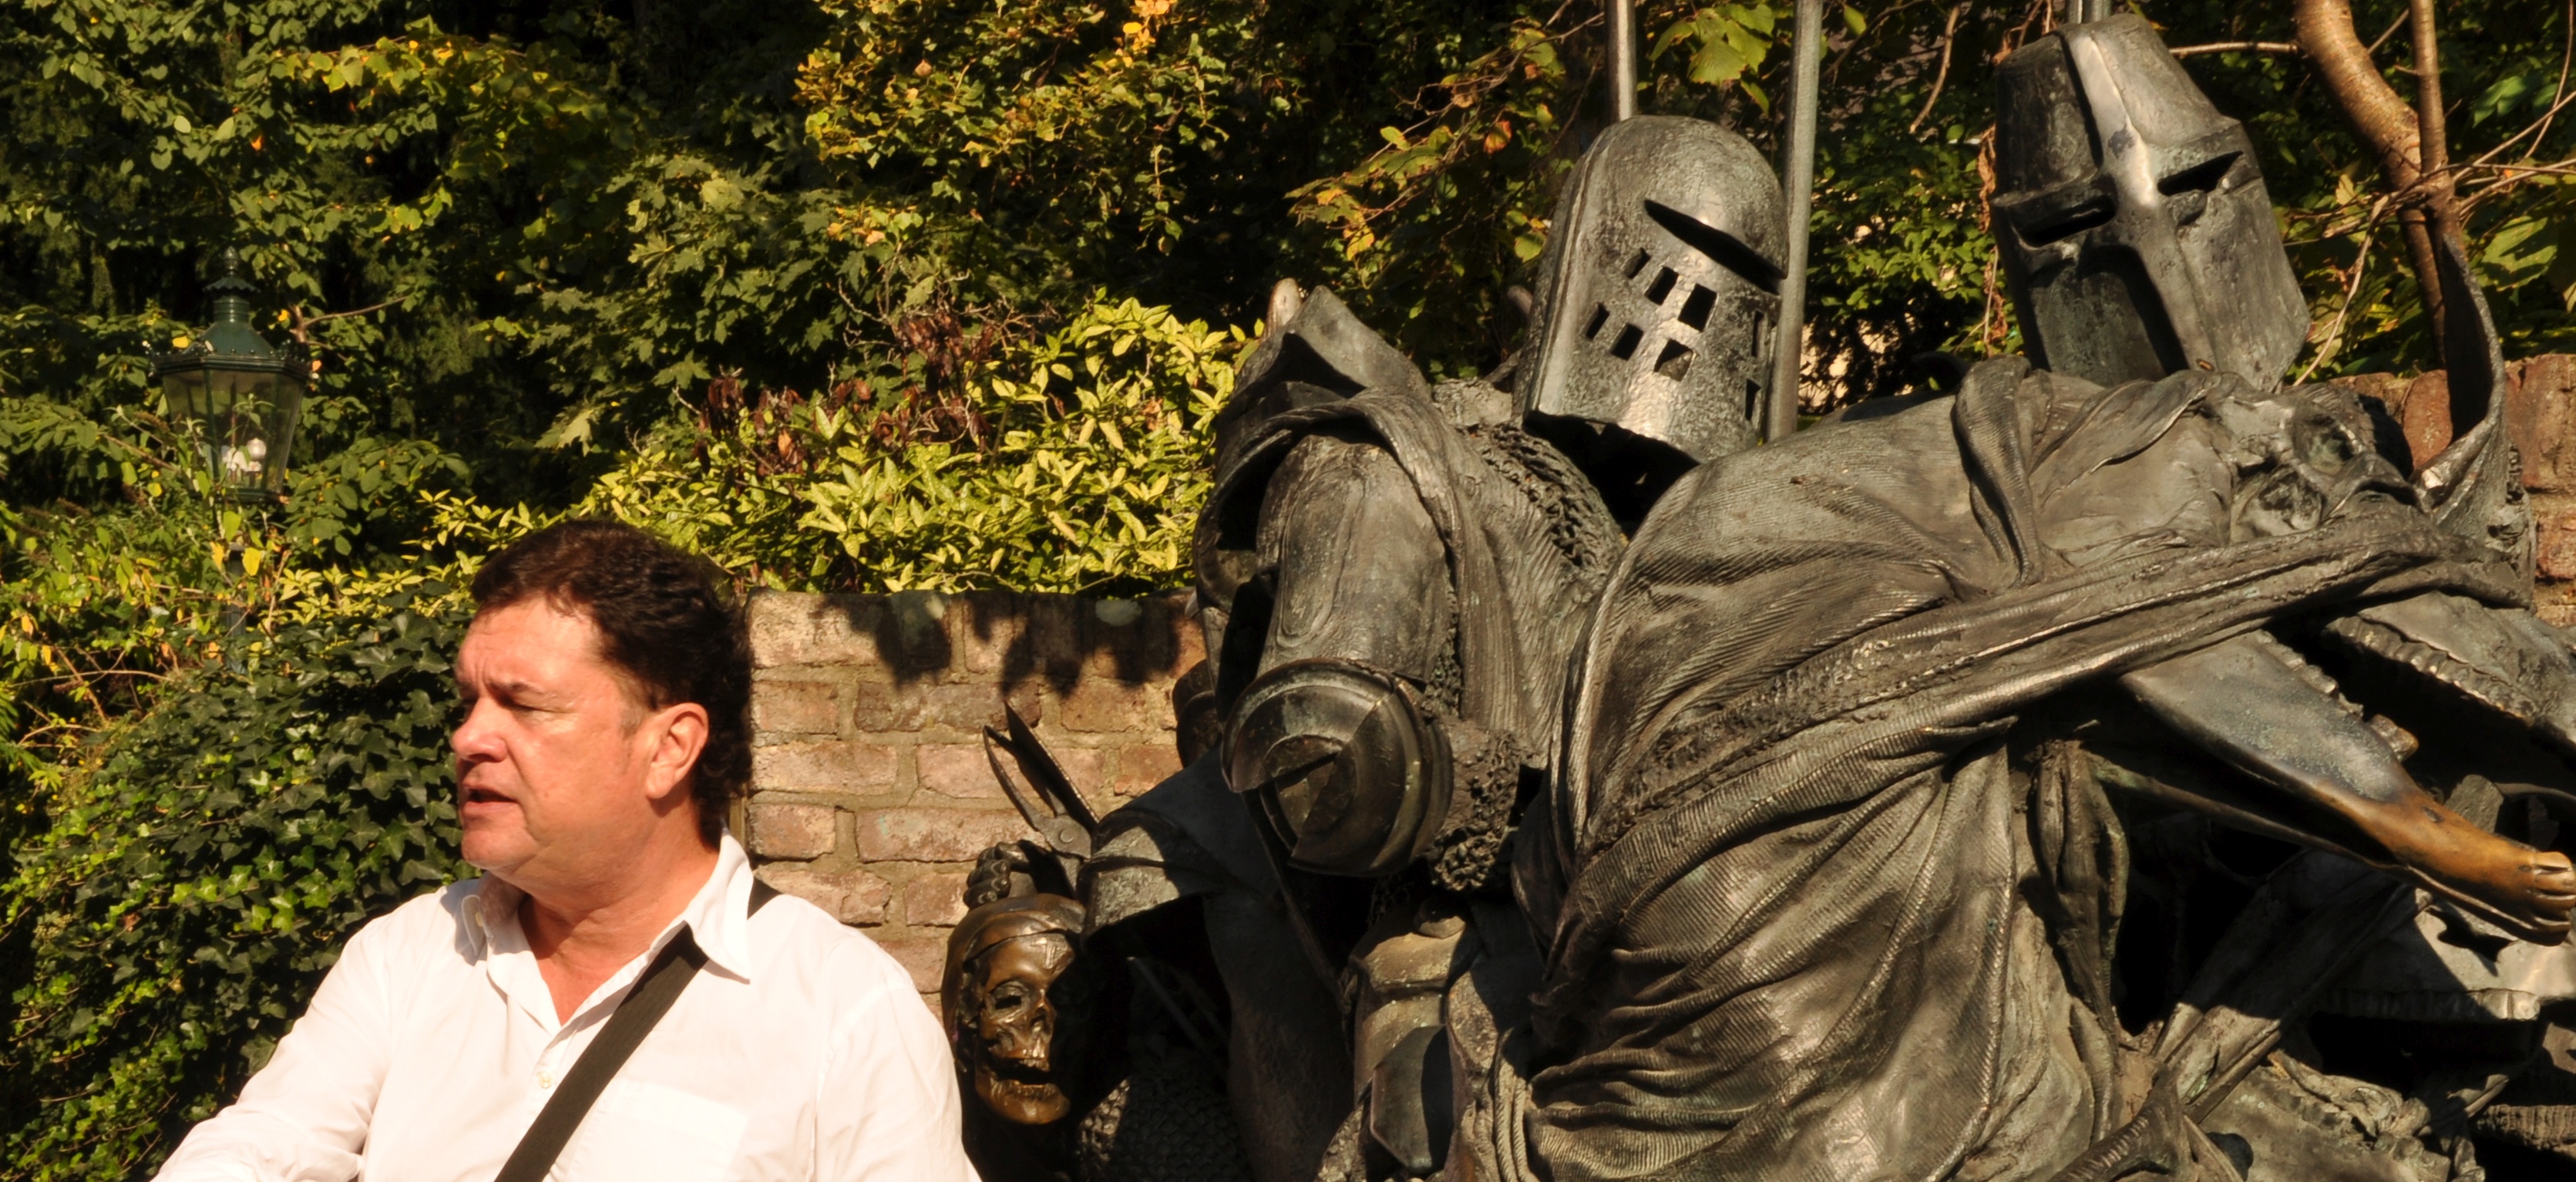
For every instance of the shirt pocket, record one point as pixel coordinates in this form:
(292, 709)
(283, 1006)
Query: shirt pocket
(646, 1130)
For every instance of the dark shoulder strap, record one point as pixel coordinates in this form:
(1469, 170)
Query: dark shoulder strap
(660, 986)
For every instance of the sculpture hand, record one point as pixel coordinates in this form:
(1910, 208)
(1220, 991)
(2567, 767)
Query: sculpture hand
(2528, 892)
(2245, 701)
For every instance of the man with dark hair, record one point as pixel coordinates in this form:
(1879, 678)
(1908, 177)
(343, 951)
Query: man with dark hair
(616, 997)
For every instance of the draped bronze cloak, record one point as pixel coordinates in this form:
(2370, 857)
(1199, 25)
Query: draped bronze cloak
(1793, 901)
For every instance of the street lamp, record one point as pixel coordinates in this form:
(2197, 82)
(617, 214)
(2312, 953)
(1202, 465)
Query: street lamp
(242, 395)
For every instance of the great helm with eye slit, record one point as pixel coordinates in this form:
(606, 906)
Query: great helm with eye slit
(2137, 236)
(1659, 288)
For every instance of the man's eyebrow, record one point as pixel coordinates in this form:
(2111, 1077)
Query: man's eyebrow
(511, 687)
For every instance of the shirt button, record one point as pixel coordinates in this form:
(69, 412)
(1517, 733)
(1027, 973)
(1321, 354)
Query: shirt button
(545, 1079)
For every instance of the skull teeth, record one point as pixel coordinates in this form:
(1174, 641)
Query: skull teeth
(2315, 678)
(2387, 643)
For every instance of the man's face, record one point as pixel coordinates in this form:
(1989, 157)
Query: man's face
(563, 774)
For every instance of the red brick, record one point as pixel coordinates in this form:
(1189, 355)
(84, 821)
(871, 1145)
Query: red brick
(2558, 547)
(957, 769)
(2387, 388)
(1100, 704)
(1143, 765)
(935, 834)
(983, 629)
(851, 896)
(972, 706)
(824, 767)
(877, 707)
(815, 629)
(1055, 635)
(1129, 639)
(796, 707)
(1086, 767)
(919, 632)
(797, 831)
(2428, 417)
(2540, 403)
(937, 900)
(925, 957)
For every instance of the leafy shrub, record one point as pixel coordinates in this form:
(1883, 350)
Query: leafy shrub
(1073, 464)
(198, 878)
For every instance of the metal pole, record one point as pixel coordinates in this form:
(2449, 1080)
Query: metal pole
(1623, 58)
(1798, 184)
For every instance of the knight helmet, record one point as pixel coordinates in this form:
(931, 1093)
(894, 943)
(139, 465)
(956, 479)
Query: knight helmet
(2137, 237)
(1660, 287)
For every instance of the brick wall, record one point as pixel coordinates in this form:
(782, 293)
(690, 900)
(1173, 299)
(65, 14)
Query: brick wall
(870, 791)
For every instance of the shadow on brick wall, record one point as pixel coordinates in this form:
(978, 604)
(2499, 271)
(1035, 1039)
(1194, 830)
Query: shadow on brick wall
(871, 793)
(922, 635)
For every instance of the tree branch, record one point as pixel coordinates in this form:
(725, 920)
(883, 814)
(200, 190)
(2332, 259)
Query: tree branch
(2381, 119)
(2377, 114)
(1949, 38)
(2281, 47)
(2566, 57)
(304, 322)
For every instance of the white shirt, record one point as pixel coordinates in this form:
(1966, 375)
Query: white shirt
(800, 1052)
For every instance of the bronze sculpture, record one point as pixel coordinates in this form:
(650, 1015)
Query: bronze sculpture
(1004, 961)
(1386, 569)
(1838, 887)
(1387, 718)
(1843, 839)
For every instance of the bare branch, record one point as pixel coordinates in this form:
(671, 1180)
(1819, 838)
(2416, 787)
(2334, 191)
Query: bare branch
(2541, 126)
(2289, 48)
(2351, 291)
(2433, 140)
(1949, 38)
(304, 324)
(2566, 56)
(2386, 125)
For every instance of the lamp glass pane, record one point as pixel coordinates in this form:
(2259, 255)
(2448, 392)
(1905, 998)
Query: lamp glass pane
(239, 430)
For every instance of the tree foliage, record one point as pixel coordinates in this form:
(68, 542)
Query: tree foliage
(194, 885)
(1073, 466)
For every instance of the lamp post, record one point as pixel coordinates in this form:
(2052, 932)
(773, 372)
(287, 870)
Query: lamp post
(242, 395)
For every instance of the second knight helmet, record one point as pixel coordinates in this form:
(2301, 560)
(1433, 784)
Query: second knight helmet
(2137, 236)
(1660, 286)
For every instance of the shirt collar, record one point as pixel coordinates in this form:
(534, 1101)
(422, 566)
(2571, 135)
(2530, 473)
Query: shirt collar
(718, 916)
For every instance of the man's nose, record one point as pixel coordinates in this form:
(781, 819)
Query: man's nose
(477, 739)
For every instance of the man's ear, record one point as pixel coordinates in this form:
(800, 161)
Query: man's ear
(678, 734)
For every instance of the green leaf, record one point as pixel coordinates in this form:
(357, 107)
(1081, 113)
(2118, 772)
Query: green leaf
(2508, 94)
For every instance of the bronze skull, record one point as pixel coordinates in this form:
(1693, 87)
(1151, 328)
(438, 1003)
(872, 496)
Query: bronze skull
(1006, 1021)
